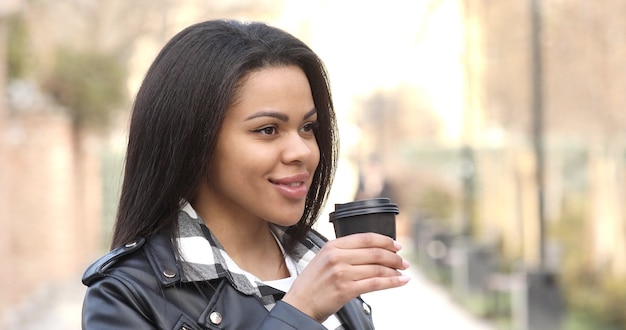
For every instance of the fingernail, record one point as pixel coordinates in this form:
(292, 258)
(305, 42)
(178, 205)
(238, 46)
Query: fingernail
(405, 264)
(404, 278)
(397, 245)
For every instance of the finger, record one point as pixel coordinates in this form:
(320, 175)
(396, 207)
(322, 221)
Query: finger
(376, 256)
(365, 240)
(379, 283)
(362, 272)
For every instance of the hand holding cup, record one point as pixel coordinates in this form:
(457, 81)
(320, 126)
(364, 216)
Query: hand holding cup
(362, 259)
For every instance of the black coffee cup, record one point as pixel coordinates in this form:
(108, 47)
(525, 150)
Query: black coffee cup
(376, 215)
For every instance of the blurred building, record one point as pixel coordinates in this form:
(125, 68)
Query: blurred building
(50, 190)
(6, 9)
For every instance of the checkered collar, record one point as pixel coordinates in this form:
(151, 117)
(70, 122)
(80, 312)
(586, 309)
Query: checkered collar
(203, 258)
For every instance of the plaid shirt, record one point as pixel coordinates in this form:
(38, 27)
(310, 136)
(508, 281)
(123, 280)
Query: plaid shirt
(204, 258)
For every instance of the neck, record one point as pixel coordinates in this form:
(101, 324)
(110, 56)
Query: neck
(250, 244)
(257, 253)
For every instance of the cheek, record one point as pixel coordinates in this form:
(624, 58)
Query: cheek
(232, 171)
(237, 158)
(227, 160)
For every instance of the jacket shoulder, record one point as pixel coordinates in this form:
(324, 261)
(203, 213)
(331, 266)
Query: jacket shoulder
(98, 269)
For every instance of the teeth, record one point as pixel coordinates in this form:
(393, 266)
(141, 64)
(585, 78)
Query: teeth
(290, 184)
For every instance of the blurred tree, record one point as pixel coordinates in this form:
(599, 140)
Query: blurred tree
(82, 63)
(90, 85)
(19, 57)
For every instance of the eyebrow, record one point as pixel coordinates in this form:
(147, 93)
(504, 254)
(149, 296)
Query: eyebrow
(278, 115)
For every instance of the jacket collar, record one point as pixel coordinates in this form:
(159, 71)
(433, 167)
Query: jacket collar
(202, 257)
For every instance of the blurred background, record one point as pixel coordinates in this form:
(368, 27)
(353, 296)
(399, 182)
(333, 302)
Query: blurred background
(497, 126)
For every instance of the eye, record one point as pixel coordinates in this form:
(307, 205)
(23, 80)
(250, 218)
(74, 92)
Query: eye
(310, 127)
(267, 130)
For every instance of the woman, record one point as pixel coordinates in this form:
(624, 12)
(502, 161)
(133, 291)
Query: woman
(231, 153)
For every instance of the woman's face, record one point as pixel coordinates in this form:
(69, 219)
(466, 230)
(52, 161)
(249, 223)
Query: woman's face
(266, 152)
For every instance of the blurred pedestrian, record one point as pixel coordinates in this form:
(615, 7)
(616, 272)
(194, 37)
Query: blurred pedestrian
(373, 182)
(232, 149)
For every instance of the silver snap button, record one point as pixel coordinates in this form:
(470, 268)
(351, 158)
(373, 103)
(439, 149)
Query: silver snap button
(169, 273)
(215, 317)
(367, 309)
(131, 244)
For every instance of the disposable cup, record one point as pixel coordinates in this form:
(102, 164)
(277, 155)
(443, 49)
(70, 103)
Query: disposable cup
(376, 215)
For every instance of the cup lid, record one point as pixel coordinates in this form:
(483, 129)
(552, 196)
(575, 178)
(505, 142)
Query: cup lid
(364, 206)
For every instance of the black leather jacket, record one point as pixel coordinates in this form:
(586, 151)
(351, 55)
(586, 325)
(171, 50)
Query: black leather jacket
(138, 286)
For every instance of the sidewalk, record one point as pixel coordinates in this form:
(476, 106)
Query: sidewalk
(418, 305)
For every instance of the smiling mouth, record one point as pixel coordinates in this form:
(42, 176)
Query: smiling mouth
(289, 184)
(293, 188)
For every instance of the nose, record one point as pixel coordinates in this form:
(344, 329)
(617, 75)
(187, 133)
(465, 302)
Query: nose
(298, 149)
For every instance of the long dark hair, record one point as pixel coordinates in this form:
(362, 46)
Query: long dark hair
(179, 110)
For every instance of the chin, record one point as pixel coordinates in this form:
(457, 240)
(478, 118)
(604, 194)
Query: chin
(286, 223)
(286, 220)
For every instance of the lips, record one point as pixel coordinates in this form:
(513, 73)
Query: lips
(293, 187)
